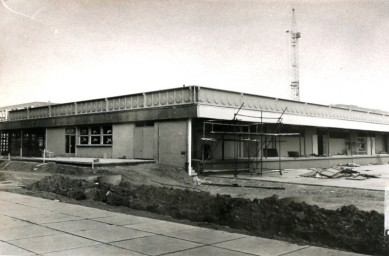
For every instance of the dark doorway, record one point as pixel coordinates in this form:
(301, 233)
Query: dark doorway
(320, 145)
(70, 141)
(33, 142)
(70, 144)
(15, 141)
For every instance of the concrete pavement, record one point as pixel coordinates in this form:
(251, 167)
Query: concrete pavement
(36, 226)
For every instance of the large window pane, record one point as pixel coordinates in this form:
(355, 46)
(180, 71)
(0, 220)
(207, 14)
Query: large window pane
(95, 139)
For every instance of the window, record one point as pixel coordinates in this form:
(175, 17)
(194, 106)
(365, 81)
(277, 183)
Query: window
(107, 135)
(96, 135)
(70, 131)
(84, 135)
(4, 142)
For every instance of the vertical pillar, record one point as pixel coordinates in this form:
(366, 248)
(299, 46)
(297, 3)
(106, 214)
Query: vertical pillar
(328, 142)
(21, 143)
(189, 146)
(299, 142)
(222, 146)
(45, 139)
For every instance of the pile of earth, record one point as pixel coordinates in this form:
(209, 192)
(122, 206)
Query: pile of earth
(346, 228)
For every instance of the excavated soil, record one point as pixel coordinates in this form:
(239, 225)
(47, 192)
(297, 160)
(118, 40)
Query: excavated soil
(169, 193)
(346, 228)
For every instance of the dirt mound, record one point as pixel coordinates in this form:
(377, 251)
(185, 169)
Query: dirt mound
(347, 228)
(73, 188)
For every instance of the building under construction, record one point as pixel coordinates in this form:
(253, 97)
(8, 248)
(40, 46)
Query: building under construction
(200, 128)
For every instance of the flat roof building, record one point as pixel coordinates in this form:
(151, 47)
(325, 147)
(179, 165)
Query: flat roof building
(200, 128)
(4, 110)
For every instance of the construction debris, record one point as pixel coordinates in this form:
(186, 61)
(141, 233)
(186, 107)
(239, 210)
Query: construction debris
(350, 165)
(338, 172)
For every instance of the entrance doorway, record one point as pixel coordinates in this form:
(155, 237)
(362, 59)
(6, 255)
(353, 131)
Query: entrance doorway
(70, 141)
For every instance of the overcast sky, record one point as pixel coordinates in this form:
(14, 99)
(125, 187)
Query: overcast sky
(63, 51)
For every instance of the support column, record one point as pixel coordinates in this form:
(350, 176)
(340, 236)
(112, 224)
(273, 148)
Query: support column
(21, 143)
(328, 142)
(189, 146)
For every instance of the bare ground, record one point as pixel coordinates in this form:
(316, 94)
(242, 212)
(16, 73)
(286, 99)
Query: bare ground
(296, 222)
(15, 175)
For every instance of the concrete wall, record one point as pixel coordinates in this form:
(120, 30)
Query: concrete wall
(172, 141)
(309, 131)
(123, 140)
(379, 143)
(288, 144)
(55, 141)
(337, 146)
(94, 151)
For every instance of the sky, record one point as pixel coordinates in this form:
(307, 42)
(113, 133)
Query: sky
(64, 51)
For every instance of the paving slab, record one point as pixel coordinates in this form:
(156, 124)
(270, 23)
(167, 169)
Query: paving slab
(9, 249)
(317, 251)
(17, 210)
(50, 232)
(156, 245)
(122, 220)
(92, 213)
(97, 250)
(207, 251)
(81, 211)
(27, 231)
(111, 234)
(260, 246)
(30, 199)
(205, 235)
(160, 227)
(47, 205)
(49, 218)
(2, 202)
(76, 225)
(9, 196)
(8, 222)
(69, 208)
(54, 243)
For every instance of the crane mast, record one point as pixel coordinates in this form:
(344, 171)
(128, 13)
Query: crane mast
(294, 76)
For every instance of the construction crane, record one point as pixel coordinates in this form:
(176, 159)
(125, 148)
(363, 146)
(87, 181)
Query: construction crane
(294, 76)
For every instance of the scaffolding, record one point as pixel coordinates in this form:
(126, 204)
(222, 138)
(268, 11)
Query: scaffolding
(251, 142)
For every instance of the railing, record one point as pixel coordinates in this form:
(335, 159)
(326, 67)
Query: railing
(209, 96)
(201, 95)
(178, 96)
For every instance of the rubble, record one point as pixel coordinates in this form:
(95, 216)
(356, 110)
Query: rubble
(338, 172)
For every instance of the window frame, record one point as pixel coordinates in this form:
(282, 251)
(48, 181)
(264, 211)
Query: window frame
(95, 135)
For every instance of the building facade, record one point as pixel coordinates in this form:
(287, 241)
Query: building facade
(200, 128)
